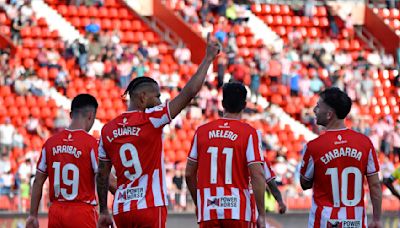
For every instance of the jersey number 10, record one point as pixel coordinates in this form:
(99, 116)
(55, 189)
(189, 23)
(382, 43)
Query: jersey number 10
(333, 172)
(214, 164)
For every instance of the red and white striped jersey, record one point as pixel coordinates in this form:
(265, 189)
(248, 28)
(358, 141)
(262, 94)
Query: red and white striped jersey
(133, 143)
(269, 173)
(69, 158)
(223, 149)
(337, 162)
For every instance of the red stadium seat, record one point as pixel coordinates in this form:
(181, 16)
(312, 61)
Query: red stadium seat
(123, 13)
(276, 9)
(265, 9)
(93, 12)
(83, 11)
(62, 9)
(73, 11)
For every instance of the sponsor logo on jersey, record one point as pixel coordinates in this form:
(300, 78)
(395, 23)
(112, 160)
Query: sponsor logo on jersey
(128, 194)
(222, 202)
(340, 140)
(348, 223)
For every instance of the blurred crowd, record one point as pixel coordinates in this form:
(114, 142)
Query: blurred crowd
(304, 65)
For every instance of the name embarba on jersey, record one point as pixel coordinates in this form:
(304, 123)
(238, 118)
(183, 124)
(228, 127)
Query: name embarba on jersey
(337, 162)
(224, 149)
(132, 142)
(69, 158)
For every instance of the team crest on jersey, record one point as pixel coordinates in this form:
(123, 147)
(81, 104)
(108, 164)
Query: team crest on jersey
(222, 202)
(348, 223)
(225, 125)
(69, 138)
(340, 140)
(124, 122)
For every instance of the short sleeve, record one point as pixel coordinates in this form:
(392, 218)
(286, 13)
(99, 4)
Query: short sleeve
(102, 152)
(373, 164)
(307, 164)
(193, 154)
(159, 116)
(253, 149)
(42, 163)
(269, 173)
(94, 154)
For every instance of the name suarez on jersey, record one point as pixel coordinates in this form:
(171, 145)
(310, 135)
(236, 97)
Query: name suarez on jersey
(61, 149)
(222, 134)
(341, 152)
(123, 131)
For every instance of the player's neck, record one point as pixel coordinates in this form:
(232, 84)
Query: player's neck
(133, 107)
(76, 125)
(336, 125)
(236, 116)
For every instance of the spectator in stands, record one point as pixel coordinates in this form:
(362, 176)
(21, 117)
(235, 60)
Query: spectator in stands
(395, 142)
(93, 27)
(231, 12)
(366, 89)
(27, 12)
(154, 53)
(374, 58)
(309, 8)
(182, 54)
(178, 182)
(5, 69)
(189, 12)
(255, 82)
(53, 57)
(33, 126)
(238, 70)
(316, 85)
(7, 132)
(25, 169)
(220, 33)
(18, 140)
(17, 24)
(124, 71)
(304, 86)
(295, 81)
(143, 49)
(275, 69)
(387, 60)
(62, 120)
(62, 80)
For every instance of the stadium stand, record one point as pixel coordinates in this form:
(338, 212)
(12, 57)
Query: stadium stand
(101, 63)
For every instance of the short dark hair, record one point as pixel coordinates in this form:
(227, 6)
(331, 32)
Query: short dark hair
(338, 100)
(135, 83)
(234, 97)
(82, 101)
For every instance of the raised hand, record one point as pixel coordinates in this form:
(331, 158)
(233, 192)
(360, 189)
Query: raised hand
(214, 47)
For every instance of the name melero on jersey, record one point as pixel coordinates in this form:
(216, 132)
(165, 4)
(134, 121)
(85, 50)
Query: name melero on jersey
(123, 131)
(61, 149)
(341, 152)
(222, 134)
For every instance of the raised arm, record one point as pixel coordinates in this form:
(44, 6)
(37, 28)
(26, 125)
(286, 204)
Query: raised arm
(37, 189)
(258, 183)
(195, 83)
(375, 191)
(102, 181)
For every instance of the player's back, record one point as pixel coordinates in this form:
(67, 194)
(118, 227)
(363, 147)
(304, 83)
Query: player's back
(69, 158)
(337, 161)
(133, 143)
(223, 149)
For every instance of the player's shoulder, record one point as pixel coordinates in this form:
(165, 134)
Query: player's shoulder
(157, 108)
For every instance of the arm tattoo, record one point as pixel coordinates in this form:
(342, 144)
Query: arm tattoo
(102, 184)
